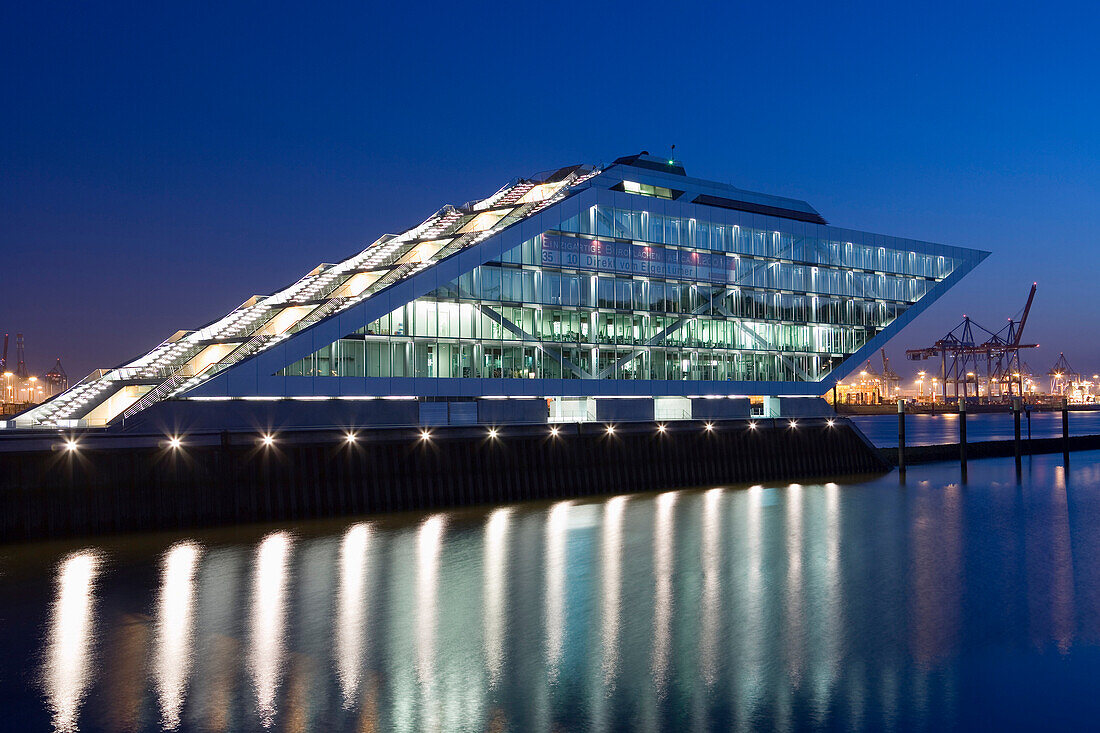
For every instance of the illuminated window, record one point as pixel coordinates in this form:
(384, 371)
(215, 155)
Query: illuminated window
(644, 189)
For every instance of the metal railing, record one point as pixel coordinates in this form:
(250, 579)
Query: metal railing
(161, 391)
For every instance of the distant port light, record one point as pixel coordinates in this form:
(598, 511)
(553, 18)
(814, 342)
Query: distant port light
(830, 422)
(554, 432)
(175, 443)
(351, 438)
(752, 425)
(610, 429)
(268, 440)
(71, 445)
(794, 423)
(661, 427)
(492, 433)
(425, 435)
(709, 427)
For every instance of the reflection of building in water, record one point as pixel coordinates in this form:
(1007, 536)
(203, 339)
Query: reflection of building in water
(1063, 612)
(69, 642)
(813, 635)
(175, 610)
(495, 571)
(1051, 608)
(266, 653)
(398, 574)
(794, 611)
(603, 680)
(314, 598)
(611, 548)
(368, 712)
(462, 684)
(429, 541)
(712, 568)
(218, 649)
(746, 592)
(556, 527)
(352, 604)
(663, 549)
(298, 695)
(124, 672)
(826, 576)
(936, 547)
(719, 605)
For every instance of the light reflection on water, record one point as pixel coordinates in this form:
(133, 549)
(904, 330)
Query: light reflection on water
(711, 565)
(268, 620)
(882, 430)
(611, 582)
(925, 604)
(68, 646)
(663, 536)
(174, 620)
(556, 521)
(429, 542)
(351, 615)
(496, 590)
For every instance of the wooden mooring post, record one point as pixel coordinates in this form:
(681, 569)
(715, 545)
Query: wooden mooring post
(1065, 434)
(901, 436)
(962, 436)
(1016, 433)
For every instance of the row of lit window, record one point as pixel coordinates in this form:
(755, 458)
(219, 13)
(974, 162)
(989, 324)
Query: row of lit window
(428, 319)
(556, 286)
(354, 359)
(724, 237)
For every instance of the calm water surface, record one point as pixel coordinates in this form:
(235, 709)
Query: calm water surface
(925, 605)
(882, 430)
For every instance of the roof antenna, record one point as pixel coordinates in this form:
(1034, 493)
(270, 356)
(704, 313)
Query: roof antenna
(672, 156)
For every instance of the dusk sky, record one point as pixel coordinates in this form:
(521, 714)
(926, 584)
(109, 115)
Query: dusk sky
(162, 162)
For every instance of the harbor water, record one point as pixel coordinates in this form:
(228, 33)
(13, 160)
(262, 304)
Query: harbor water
(927, 604)
(882, 430)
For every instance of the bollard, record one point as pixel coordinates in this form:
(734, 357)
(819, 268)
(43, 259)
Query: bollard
(962, 434)
(1016, 431)
(1065, 434)
(901, 436)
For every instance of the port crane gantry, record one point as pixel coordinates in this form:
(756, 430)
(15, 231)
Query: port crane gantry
(965, 361)
(20, 358)
(1063, 377)
(890, 379)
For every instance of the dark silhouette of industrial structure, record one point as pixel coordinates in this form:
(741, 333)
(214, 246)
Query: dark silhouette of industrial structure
(967, 363)
(57, 379)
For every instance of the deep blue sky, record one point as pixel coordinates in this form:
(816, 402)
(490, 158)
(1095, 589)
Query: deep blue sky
(161, 162)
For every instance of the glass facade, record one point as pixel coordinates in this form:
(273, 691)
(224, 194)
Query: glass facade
(629, 280)
(617, 293)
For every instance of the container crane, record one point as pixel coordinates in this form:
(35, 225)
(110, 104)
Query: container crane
(20, 364)
(1063, 377)
(890, 378)
(965, 361)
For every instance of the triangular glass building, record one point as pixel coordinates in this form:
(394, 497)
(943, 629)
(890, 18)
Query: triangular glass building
(573, 286)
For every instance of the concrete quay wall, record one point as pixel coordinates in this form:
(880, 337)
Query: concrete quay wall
(121, 483)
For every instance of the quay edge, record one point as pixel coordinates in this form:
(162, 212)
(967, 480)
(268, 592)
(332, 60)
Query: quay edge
(111, 483)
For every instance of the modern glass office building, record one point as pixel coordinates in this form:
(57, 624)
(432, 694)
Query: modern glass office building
(576, 286)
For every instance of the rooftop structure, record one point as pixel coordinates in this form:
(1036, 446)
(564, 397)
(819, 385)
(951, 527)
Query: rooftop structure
(573, 286)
